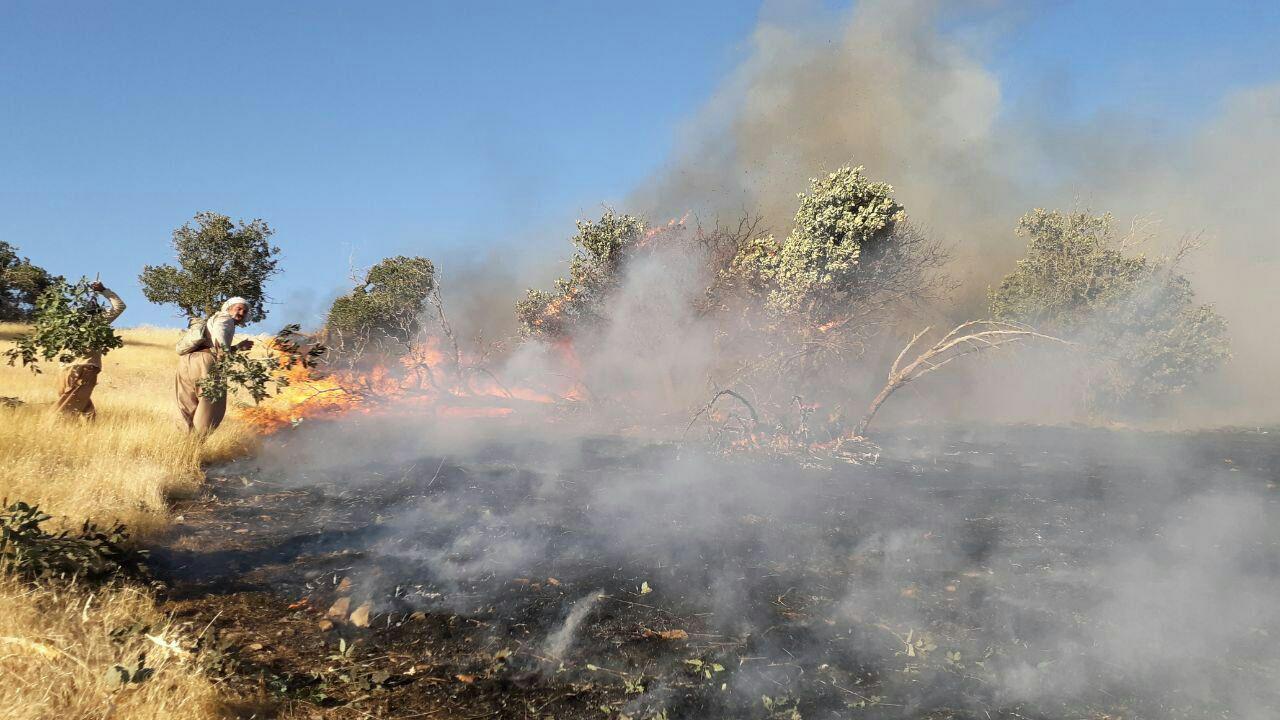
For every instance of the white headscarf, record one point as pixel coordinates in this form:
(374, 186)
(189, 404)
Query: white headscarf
(232, 302)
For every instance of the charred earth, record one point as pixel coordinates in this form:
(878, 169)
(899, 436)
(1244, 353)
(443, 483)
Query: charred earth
(356, 570)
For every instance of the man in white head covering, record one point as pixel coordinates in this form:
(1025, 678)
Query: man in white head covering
(200, 413)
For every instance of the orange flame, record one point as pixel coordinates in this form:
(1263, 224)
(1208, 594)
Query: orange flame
(427, 381)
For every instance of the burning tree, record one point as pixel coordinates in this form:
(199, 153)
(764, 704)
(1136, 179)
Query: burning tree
(579, 301)
(380, 347)
(1148, 338)
(850, 256)
(783, 312)
(217, 259)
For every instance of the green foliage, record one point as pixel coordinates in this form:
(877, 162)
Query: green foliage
(850, 259)
(69, 324)
(850, 266)
(257, 376)
(383, 313)
(217, 259)
(236, 368)
(21, 283)
(594, 271)
(401, 283)
(843, 217)
(91, 553)
(1073, 270)
(850, 252)
(538, 314)
(752, 269)
(1137, 315)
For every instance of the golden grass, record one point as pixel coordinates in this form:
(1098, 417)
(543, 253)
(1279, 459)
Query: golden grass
(122, 466)
(56, 652)
(55, 648)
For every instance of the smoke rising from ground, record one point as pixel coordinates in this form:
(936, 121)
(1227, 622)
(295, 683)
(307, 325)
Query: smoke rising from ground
(1057, 565)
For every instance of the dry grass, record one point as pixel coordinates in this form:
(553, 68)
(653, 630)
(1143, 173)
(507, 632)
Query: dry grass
(125, 464)
(56, 652)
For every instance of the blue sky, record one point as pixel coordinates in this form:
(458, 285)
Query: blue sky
(456, 129)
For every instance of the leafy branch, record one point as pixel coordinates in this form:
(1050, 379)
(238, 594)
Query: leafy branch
(257, 376)
(91, 553)
(69, 324)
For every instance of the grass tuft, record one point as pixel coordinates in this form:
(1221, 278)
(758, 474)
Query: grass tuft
(60, 643)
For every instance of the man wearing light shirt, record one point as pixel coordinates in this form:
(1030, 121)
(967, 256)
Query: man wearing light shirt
(79, 378)
(198, 412)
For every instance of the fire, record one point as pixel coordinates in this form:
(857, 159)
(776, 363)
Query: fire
(427, 381)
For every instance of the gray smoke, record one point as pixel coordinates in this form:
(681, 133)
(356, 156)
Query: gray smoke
(1054, 564)
(1091, 561)
(558, 642)
(886, 87)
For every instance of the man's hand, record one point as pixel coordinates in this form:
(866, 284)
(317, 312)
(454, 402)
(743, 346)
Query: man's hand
(97, 286)
(244, 345)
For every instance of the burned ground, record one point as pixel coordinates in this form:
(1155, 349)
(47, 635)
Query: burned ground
(995, 572)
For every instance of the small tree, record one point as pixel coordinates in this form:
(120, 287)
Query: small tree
(1137, 315)
(217, 259)
(21, 283)
(69, 324)
(1074, 269)
(850, 255)
(851, 262)
(594, 272)
(383, 313)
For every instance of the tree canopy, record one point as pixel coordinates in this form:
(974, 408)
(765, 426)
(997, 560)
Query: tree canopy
(216, 259)
(384, 311)
(1136, 314)
(21, 283)
(601, 248)
(842, 218)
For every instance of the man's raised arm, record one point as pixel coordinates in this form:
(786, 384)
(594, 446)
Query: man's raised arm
(117, 305)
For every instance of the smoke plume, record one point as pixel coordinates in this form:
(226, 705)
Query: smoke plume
(889, 87)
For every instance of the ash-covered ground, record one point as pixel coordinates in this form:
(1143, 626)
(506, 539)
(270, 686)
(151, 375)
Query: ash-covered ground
(509, 571)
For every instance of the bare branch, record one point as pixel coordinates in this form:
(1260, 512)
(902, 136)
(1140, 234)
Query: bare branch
(968, 338)
(894, 370)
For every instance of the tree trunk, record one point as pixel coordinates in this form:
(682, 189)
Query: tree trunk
(888, 389)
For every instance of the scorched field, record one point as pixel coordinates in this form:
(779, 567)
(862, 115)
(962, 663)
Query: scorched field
(368, 569)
